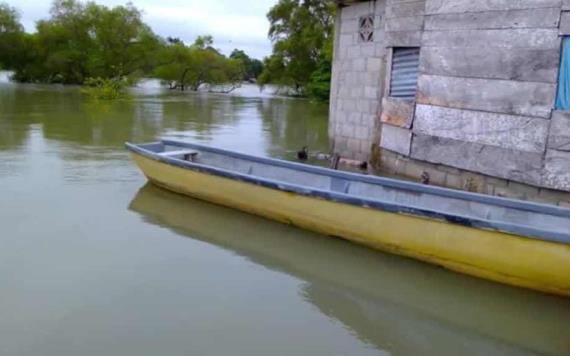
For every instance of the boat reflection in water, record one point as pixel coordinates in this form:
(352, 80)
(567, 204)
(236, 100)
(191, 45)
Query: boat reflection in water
(395, 304)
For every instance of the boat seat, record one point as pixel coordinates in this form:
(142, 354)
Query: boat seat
(187, 155)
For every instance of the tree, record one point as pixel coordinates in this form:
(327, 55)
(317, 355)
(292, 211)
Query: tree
(319, 86)
(198, 65)
(12, 37)
(86, 40)
(124, 44)
(106, 48)
(227, 75)
(61, 46)
(173, 40)
(175, 57)
(301, 31)
(204, 42)
(253, 67)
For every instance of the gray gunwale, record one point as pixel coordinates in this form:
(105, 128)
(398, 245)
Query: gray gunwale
(519, 230)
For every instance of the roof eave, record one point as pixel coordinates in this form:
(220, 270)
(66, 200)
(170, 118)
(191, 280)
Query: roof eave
(347, 2)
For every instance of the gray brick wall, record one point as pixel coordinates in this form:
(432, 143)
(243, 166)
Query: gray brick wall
(486, 90)
(358, 72)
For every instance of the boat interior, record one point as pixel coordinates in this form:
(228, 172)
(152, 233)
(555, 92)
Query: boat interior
(536, 217)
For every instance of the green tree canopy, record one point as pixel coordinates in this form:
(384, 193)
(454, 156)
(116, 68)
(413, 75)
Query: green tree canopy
(191, 67)
(253, 67)
(302, 33)
(12, 37)
(83, 40)
(204, 42)
(108, 47)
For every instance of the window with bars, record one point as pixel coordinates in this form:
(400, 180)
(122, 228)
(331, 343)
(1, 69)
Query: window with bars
(405, 71)
(366, 29)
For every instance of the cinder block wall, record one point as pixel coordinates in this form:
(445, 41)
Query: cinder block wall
(486, 91)
(358, 69)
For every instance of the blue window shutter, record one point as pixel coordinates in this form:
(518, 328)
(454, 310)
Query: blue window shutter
(563, 97)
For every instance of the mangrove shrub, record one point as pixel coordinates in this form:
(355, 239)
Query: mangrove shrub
(104, 88)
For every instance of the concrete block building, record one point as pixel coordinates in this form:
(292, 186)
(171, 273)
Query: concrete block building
(466, 94)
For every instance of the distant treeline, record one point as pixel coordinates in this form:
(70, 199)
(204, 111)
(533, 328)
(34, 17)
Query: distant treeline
(83, 41)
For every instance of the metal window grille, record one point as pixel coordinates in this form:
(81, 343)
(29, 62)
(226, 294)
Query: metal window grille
(366, 29)
(405, 71)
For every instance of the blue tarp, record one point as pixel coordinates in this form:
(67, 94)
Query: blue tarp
(563, 97)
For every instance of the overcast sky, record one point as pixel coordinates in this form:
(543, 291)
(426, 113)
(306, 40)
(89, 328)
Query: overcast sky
(234, 24)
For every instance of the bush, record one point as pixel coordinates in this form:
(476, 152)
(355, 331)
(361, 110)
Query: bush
(106, 89)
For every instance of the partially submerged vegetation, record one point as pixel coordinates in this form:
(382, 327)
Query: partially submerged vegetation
(85, 40)
(192, 67)
(103, 48)
(105, 88)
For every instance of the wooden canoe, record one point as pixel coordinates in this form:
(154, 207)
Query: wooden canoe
(513, 242)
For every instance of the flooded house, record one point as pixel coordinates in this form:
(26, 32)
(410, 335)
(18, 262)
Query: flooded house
(458, 93)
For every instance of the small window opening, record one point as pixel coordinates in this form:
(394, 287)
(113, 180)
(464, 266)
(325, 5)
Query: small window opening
(405, 72)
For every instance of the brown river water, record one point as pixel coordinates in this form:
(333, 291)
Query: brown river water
(95, 261)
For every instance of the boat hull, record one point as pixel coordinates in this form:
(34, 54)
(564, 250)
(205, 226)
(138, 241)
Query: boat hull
(489, 254)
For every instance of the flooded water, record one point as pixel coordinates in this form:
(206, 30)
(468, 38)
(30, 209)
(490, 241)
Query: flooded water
(94, 261)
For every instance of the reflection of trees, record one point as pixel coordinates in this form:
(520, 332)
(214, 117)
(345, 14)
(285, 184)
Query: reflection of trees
(392, 303)
(66, 116)
(14, 122)
(293, 124)
(200, 112)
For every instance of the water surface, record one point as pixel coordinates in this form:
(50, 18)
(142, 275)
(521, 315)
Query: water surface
(94, 261)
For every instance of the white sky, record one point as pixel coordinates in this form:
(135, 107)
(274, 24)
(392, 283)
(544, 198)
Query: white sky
(233, 23)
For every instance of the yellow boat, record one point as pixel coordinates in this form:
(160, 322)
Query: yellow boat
(508, 241)
(368, 291)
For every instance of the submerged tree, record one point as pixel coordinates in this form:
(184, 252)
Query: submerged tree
(198, 65)
(302, 34)
(253, 67)
(86, 40)
(106, 89)
(12, 37)
(124, 44)
(107, 48)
